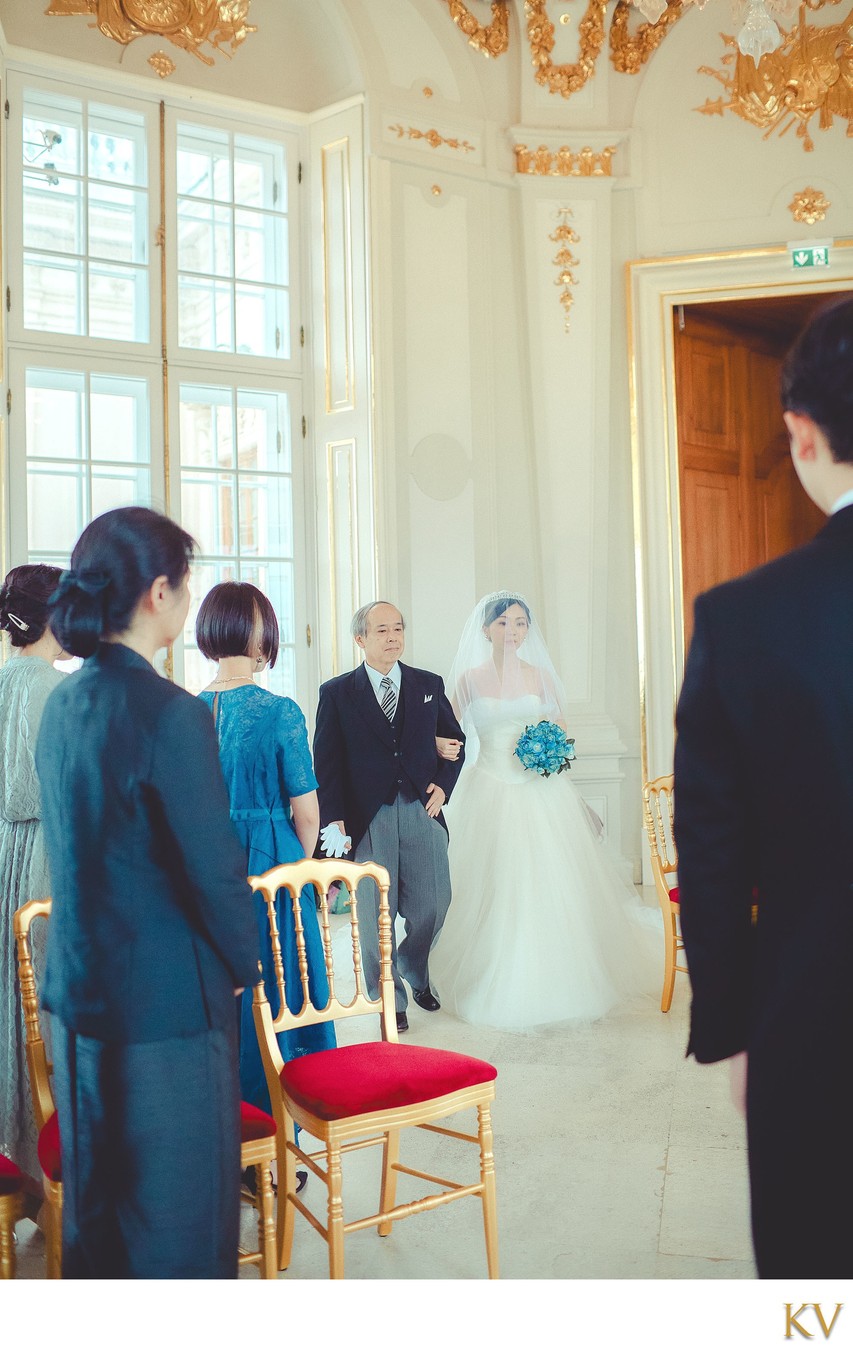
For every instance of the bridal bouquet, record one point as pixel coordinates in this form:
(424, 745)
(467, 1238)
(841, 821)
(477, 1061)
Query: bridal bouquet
(544, 747)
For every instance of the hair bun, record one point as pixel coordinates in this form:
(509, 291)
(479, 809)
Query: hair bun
(87, 580)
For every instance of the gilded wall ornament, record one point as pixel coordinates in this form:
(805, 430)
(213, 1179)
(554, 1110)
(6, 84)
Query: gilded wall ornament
(569, 77)
(563, 161)
(432, 136)
(629, 53)
(810, 73)
(490, 39)
(162, 64)
(566, 237)
(189, 24)
(810, 206)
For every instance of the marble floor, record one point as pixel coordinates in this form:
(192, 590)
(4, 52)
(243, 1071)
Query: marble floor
(616, 1158)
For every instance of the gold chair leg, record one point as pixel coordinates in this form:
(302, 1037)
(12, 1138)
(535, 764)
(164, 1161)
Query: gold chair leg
(487, 1175)
(669, 964)
(10, 1211)
(285, 1214)
(335, 1225)
(53, 1229)
(266, 1222)
(388, 1190)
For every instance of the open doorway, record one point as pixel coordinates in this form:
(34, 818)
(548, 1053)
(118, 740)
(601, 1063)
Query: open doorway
(740, 499)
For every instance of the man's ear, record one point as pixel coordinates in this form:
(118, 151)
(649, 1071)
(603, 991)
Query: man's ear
(801, 433)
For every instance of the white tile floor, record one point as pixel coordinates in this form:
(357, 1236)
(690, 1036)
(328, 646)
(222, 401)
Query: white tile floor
(616, 1158)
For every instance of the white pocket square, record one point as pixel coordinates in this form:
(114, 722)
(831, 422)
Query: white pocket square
(426, 698)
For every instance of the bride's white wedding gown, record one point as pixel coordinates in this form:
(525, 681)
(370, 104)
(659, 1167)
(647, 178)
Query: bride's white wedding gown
(541, 928)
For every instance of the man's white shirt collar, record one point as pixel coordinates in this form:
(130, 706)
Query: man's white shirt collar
(377, 678)
(846, 499)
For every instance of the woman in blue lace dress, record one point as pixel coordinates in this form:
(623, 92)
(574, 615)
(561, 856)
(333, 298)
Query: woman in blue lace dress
(263, 747)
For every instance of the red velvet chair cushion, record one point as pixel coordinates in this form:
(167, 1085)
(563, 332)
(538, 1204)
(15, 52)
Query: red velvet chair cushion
(376, 1075)
(255, 1123)
(49, 1153)
(11, 1177)
(675, 895)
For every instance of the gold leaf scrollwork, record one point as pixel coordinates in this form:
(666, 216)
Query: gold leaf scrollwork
(189, 24)
(810, 73)
(565, 236)
(628, 54)
(810, 206)
(563, 161)
(432, 136)
(490, 39)
(568, 78)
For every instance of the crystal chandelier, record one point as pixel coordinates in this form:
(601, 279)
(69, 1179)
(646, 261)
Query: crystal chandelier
(757, 20)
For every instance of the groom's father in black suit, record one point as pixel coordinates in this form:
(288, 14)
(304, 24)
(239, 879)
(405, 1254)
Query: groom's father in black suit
(383, 783)
(764, 798)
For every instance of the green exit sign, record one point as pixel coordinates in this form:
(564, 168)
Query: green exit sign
(809, 257)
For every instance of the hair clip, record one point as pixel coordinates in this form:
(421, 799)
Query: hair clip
(17, 621)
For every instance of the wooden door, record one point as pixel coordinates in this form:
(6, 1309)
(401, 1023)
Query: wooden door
(741, 500)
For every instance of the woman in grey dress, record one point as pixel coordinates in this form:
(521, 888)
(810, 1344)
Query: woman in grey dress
(26, 681)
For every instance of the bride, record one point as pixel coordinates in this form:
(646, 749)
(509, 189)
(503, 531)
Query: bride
(541, 928)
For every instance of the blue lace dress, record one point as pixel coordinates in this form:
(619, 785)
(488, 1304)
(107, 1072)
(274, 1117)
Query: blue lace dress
(263, 747)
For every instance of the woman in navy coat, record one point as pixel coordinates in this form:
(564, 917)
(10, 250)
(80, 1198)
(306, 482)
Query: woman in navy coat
(152, 932)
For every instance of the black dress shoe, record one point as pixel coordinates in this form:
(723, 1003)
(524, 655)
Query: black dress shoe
(402, 1022)
(301, 1179)
(425, 998)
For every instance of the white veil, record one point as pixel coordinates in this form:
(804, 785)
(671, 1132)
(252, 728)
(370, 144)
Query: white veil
(502, 656)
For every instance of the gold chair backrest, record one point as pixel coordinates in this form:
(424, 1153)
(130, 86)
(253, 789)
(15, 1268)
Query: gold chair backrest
(322, 875)
(657, 814)
(38, 1066)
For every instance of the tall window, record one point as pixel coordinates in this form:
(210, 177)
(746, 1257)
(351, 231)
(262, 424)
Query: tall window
(87, 342)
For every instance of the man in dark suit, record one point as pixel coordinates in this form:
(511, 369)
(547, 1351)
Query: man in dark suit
(764, 798)
(383, 784)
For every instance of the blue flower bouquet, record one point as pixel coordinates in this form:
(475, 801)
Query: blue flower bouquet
(544, 747)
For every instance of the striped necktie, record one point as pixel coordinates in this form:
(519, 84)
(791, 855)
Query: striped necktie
(388, 699)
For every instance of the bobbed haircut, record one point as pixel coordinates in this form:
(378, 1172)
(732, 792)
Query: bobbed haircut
(817, 376)
(24, 598)
(493, 610)
(235, 618)
(114, 562)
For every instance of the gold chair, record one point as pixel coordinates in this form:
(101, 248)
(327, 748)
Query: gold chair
(341, 1096)
(11, 1209)
(257, 1128)
(657, 811)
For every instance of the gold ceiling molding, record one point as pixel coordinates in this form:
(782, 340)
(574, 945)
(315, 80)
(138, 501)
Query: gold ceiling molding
(810, 206)
(569, 77)
(563, 161)
(189, 24)
(628, 54)
(490, 39)
(810, 73)
(432, 136)
(566, 237)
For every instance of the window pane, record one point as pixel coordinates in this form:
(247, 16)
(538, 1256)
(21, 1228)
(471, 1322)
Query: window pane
(119, 419)
(52, 131)
(118, 224)
(204, 312)
(117, 145)
(260, 247)
(263, 431)
(204, 238)
(207, 438)
(53, 213)
(263, 321)
(118, 303)
(259, 173)
(53, 295)
(266, 525)
(113, 487)
(208, 511)
(204, 163)
(55, 415)
(56, 499)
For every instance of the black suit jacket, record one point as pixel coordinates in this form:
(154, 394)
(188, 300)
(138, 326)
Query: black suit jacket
(764, 798)
(358, 759)
(152, 926)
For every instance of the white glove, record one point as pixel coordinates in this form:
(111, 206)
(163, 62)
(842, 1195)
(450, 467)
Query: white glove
(333, 842)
